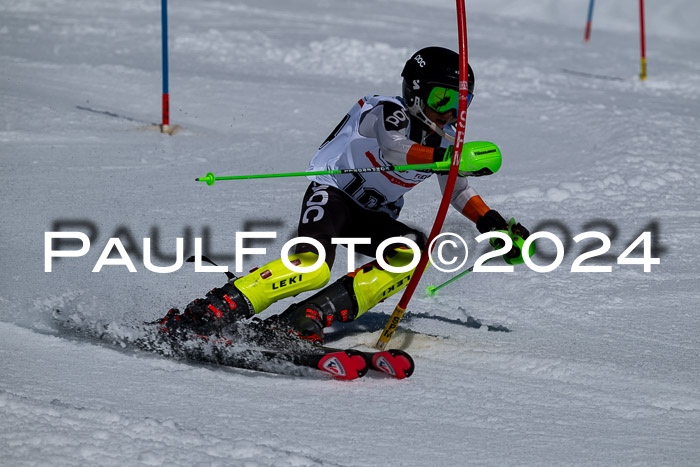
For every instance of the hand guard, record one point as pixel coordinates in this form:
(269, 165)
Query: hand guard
(518, 229)
(518, 234)
(492, 221)
(444, 157)
(478, 158)
(443, 154)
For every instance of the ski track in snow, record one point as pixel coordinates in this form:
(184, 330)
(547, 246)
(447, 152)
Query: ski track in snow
(600, 369)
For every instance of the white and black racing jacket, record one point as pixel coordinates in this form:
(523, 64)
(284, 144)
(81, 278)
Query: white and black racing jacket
(377, 131)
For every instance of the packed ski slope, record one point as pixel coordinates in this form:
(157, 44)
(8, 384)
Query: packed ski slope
(600, 369)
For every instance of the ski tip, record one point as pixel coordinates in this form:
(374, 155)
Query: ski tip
(394, 362)
(344, 365)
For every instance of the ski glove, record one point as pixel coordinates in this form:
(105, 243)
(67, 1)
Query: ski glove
(443, 154)
(491, 221)
(518, 229)
(518, 233)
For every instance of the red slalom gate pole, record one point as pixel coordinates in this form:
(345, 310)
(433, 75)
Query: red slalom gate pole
(643, 74)
(400, 309)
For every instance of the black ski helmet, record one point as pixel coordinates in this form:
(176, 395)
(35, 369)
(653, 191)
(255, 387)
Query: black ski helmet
(426, 69)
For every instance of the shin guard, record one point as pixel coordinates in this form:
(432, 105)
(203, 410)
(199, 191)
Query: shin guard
(275, 281)
(372, 284)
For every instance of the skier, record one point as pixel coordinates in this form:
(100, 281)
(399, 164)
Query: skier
(377, 131)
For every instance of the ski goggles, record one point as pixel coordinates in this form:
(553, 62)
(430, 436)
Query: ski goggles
(442, 99)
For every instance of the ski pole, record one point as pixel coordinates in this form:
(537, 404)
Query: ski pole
(210, 178)
(432, 289)
(478, 158)
(515, 256)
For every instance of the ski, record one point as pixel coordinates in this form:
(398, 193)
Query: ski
(394, 362)
(344, 364)
(250, 346)
(341, 364)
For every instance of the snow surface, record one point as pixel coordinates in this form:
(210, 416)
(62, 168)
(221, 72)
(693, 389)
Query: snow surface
(600, 369)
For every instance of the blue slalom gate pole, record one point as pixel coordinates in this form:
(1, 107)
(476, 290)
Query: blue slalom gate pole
(587, 36)
(165, 126)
